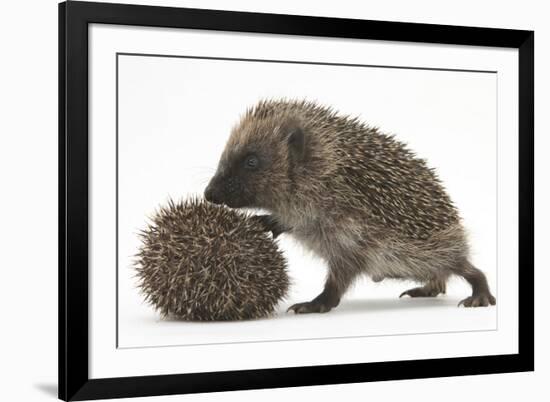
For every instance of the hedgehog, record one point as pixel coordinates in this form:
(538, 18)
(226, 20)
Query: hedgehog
(203, 262)
(356, 197)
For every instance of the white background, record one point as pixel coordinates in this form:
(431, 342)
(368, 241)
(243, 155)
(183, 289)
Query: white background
(29, 213)
(175, 115)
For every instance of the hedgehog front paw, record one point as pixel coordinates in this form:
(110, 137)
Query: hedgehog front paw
(479, 300)
(270, 224)
(314, 306)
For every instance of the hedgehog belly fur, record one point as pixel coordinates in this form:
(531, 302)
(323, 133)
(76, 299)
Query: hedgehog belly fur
(366, 251)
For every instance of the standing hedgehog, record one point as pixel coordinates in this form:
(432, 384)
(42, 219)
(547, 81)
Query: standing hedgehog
(356, 197)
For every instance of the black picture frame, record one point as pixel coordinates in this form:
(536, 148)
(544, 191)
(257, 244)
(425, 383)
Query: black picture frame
(74, 381)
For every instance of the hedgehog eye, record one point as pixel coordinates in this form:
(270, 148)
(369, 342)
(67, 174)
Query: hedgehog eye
(251, 162)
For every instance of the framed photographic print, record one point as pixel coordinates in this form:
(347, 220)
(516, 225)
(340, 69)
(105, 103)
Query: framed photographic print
(257, 200)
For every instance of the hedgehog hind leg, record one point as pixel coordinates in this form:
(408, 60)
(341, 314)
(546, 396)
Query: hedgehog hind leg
(432, 288)
(481, 295)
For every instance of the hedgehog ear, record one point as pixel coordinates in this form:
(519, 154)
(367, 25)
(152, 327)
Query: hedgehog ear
(296, 143)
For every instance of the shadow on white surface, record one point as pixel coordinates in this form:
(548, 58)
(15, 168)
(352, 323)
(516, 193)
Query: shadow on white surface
(386, 304)
(354, 317)
(347, 306)
(48, 389)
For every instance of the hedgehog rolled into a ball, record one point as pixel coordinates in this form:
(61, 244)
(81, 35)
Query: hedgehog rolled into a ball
(199, 261)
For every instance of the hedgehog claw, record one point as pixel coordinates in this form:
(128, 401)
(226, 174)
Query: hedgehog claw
(270, 224)
(406, 293)
(309, 307)
(479, 300)
(420, 292)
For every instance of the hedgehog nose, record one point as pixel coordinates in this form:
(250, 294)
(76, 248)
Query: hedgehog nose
(211, 196)
(208, 194)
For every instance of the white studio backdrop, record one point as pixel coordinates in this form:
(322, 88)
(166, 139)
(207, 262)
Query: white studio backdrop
(174, 116)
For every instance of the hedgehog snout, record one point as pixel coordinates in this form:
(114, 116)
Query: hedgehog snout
(232, 185)
(221, 189)
(228, 190)
(211, 195)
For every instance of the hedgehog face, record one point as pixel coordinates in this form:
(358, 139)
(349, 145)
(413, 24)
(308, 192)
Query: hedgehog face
(255, 169)
(236, 181)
